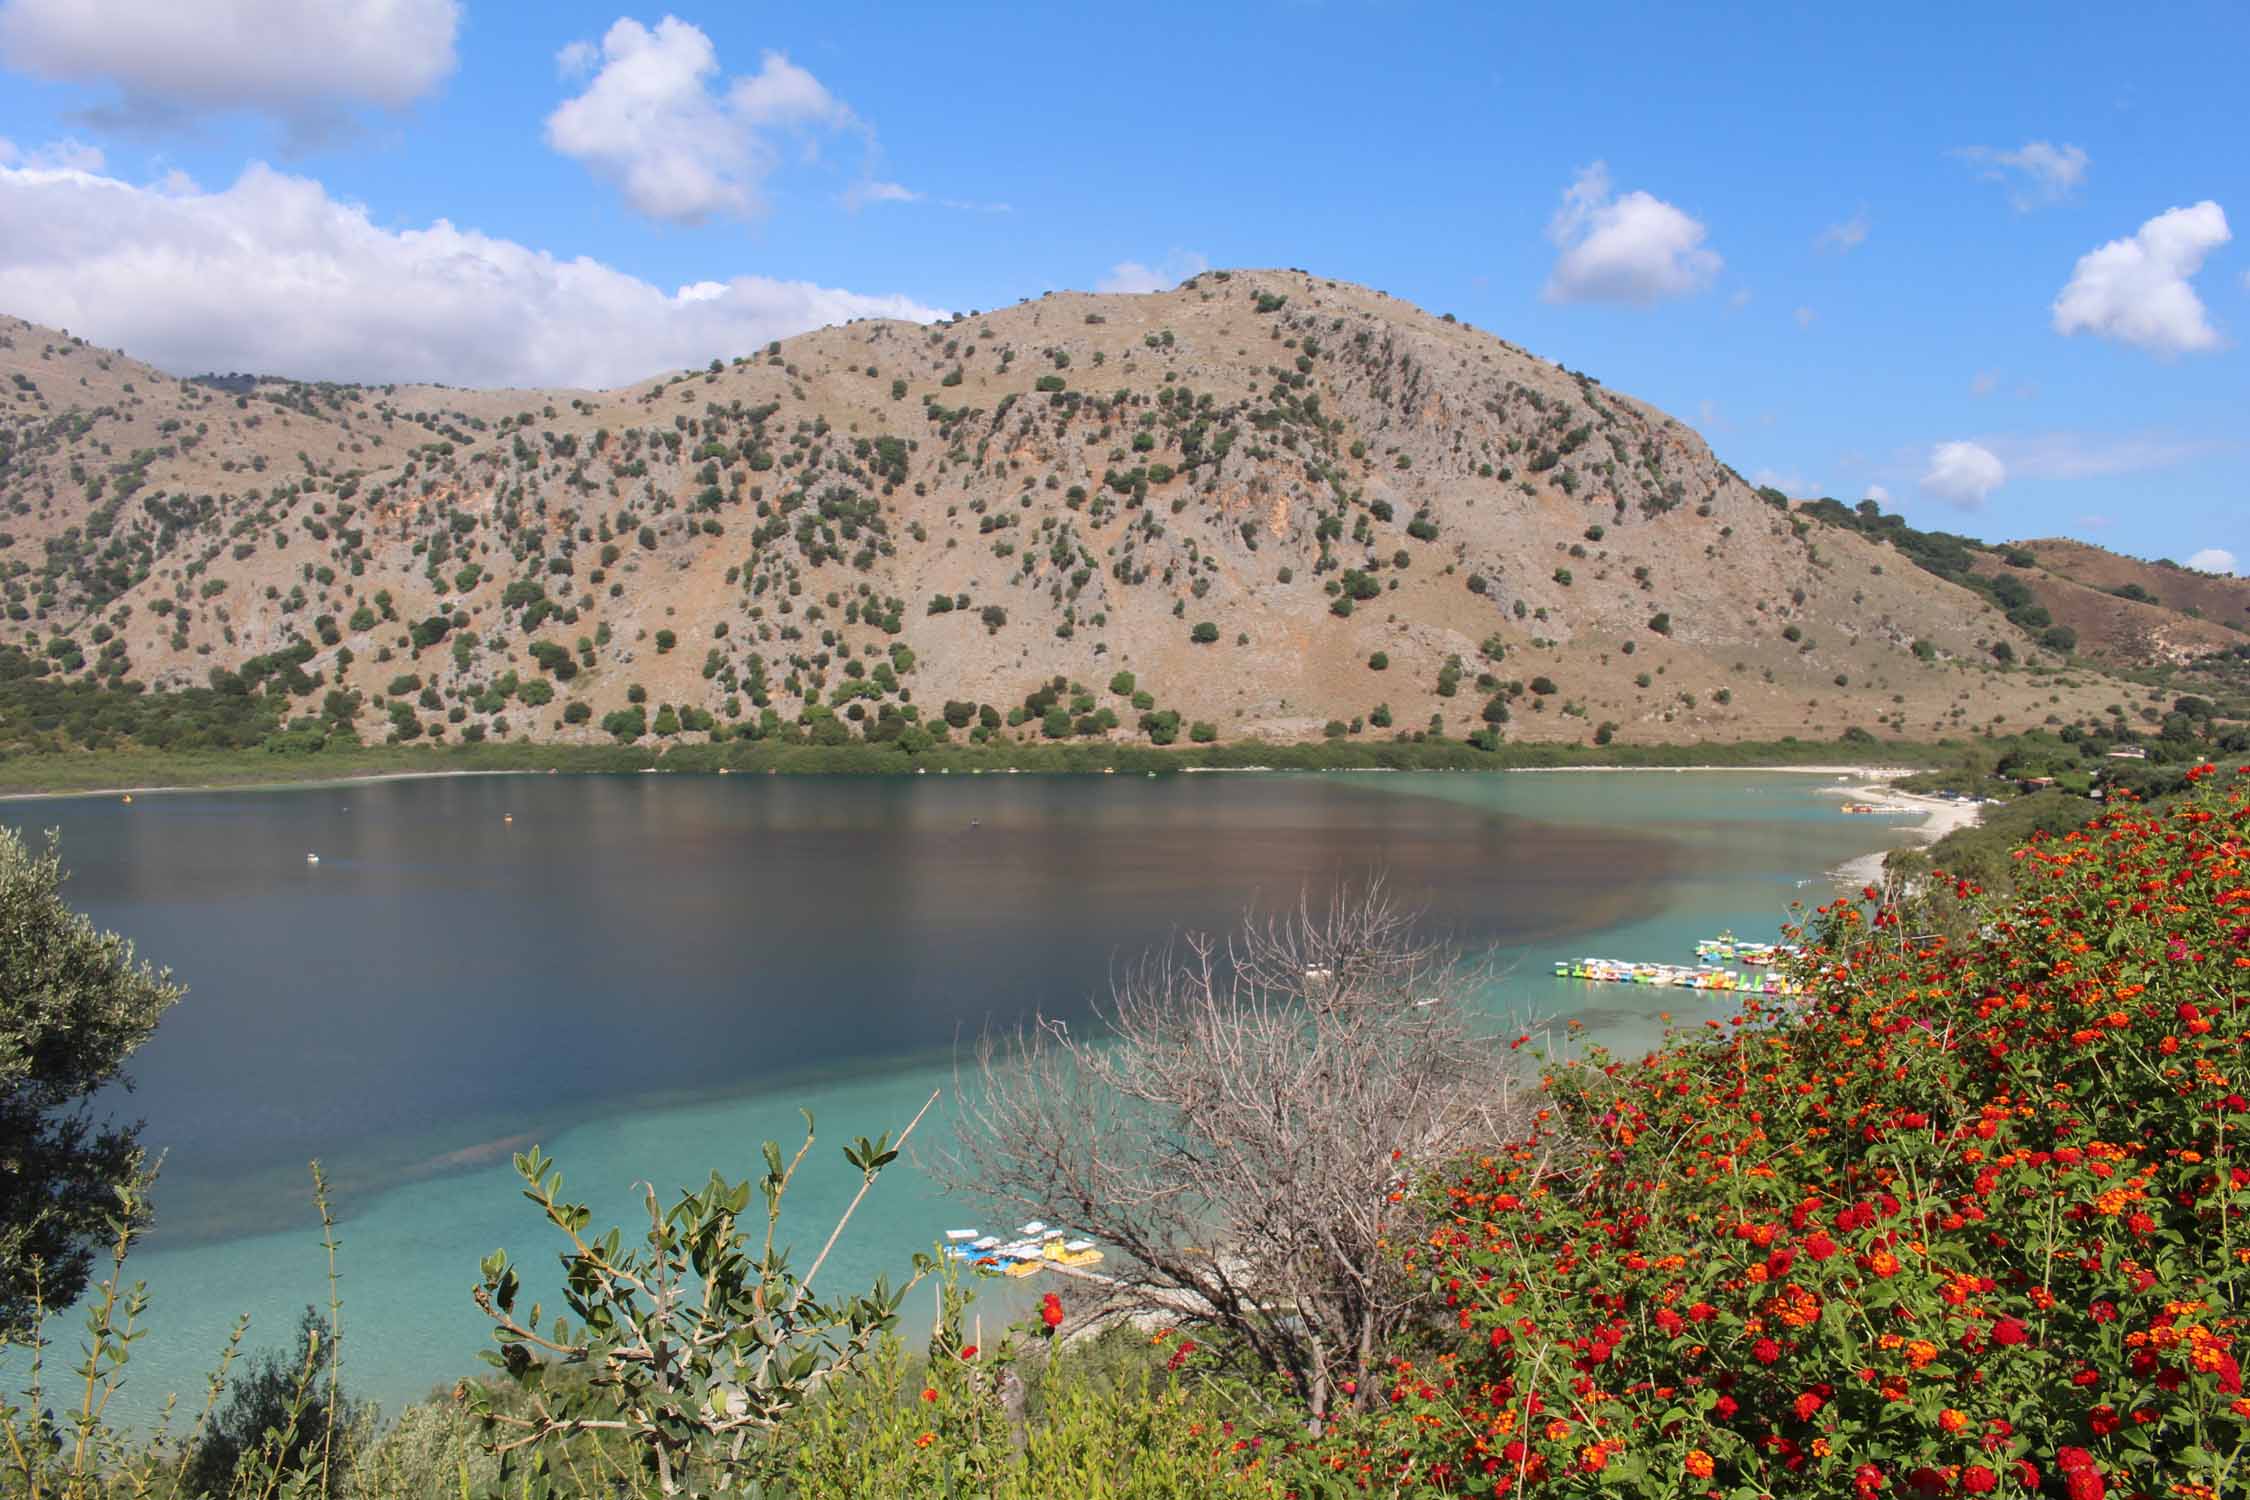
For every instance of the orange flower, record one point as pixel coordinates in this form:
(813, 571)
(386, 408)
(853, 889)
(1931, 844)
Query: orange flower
(1952, 1420)
(1699, 1463)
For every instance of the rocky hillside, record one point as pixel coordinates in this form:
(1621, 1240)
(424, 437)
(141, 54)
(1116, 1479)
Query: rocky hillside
(2130, 612)
(1265, 504)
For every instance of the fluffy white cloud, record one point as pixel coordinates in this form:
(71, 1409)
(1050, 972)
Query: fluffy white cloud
(1963, 474)
(1878, 494)
(652, 122)
(302, 61)
(273, 275)
(1632, 248)
(2213, 560)
(1132, 276)
(2136, 290)
(1805, 317)
(69, 154)
(1845, 237)
(2036, 172)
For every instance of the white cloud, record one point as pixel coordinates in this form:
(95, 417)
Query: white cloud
(1788, 481)
(2095, 521)
(2213, 560)
(274, 275)
(2136, 290)
(577, 59)
(1845, 237)
(305, 62)
(1635, 248)
(863, 193)
(1740, 299)
(1878, 494)
(2075, 455)
(1805, 317)
(1984, 383)
(1132, 276)
(68, 154)
(651, 122)
(1963, 474)
(2036, 172)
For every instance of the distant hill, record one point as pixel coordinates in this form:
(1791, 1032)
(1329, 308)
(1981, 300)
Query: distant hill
(1280, 504)
(2132, 612)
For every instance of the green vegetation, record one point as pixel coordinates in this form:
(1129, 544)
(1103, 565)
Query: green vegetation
(74, 1006)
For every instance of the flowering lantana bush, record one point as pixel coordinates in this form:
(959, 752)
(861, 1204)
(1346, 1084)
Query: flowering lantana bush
(1966, 1220)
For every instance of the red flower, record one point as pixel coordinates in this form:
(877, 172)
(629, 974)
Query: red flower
(1050, 1310)
(1765, 1351)
(1976, 1479)
(929, 1393)
(2009, 1331)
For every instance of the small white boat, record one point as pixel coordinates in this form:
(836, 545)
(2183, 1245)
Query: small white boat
(312, 859)
(958, 1235)
(989, 1242)
(1036, 1226)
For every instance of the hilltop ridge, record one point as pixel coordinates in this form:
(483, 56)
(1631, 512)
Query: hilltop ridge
(1265, 503)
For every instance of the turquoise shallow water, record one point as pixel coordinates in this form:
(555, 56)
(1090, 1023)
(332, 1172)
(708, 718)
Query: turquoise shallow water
(650, 975)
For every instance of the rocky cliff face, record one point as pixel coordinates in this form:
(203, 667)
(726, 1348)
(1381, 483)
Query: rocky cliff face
(1276, 501)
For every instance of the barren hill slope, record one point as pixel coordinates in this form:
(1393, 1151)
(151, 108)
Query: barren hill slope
(1276, 501)
(2133, 612)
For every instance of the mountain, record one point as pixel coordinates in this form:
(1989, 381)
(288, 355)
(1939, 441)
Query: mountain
(1275, 500)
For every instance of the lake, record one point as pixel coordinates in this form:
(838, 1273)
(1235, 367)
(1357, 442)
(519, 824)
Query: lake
(648, 975)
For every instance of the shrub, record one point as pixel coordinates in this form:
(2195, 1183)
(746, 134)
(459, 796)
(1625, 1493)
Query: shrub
(1379, 662)
(1203, 733)
(1204, 633)
(76, 1007)
(1982, 1245)
(1661, 623)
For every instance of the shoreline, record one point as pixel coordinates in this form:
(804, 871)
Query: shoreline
(1874, 776)
(1940, 816)
(313, 784)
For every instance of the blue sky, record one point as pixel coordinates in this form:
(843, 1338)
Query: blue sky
(1855, 249)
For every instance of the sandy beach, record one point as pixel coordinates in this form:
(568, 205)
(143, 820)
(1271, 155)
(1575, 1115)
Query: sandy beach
(1940, 816)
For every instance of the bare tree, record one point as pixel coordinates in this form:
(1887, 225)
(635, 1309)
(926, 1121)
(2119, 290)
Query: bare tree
(1246, 1123)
